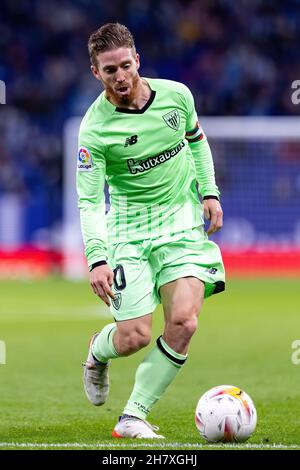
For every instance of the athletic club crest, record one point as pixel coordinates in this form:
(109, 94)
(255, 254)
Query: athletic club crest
(172, 119)
(117, 301)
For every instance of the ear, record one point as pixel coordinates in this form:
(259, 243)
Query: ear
(95, 72)
(137, 61)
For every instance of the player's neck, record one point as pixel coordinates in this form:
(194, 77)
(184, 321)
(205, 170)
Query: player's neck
(140, 96)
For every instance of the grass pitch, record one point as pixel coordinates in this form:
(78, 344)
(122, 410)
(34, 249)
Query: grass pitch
(244, 338)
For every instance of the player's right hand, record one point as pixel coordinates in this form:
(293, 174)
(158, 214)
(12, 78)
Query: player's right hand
(101, 280)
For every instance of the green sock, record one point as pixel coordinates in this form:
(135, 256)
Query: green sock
(152, 378)
(103, 347)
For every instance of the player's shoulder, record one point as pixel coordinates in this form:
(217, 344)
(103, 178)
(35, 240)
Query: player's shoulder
(94, 116)
(169, 86)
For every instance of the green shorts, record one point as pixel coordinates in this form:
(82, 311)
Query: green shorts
(142, 267)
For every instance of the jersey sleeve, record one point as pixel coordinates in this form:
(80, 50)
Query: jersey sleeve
(91, 199)
(205, 172)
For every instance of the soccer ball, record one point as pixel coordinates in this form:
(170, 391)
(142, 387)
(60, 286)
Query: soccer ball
(225, 414)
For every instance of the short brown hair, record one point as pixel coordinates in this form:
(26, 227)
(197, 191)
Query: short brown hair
(109, 36)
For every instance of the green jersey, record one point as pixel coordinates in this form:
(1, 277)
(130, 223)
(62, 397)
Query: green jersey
(151, 159)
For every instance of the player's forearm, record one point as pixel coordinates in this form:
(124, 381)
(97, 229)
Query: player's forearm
(205, 171)
(94, 232)
(91, 203)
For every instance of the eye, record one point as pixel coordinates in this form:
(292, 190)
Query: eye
(109, 70)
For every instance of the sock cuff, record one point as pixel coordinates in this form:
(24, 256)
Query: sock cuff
(103, 347)
(110, 338)
(178, 359)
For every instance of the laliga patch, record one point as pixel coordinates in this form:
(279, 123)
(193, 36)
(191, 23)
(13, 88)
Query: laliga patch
(85, 161)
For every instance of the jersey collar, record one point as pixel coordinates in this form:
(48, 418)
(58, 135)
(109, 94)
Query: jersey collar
(138, 111)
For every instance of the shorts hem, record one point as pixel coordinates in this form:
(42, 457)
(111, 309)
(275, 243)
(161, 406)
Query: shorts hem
(187, 273)
(133, 316)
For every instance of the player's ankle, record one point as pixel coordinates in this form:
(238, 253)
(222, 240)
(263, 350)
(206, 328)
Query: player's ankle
(101, 363)
(126, 416)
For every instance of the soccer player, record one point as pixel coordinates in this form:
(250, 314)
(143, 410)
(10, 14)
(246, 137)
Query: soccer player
(142, 136)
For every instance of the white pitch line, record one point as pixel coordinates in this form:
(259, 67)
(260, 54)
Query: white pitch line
(173, 445)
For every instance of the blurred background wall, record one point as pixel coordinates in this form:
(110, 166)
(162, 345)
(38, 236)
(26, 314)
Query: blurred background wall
(238, 58)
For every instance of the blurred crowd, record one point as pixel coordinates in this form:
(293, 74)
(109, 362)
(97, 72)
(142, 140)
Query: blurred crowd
(238, 58)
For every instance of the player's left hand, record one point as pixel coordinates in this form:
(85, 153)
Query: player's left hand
(213, 212)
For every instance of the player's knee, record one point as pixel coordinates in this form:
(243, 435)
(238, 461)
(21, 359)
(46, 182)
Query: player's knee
(188, 326)
(185, 322)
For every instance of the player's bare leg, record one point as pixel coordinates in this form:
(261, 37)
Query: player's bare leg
(133, 335)
(182, 301)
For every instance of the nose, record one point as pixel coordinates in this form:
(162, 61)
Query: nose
(120, 76)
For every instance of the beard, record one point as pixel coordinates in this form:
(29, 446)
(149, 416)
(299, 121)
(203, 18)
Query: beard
(124, 101)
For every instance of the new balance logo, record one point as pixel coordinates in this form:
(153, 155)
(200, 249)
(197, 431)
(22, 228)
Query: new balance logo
(131, 140)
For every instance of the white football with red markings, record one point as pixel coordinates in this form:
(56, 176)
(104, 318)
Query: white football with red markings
(225, 414)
